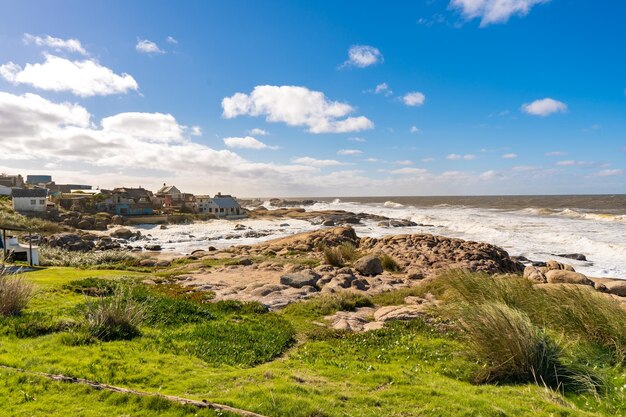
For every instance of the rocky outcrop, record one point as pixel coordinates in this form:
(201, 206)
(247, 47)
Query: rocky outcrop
(616, 287)
(300, 279)
(555, 273)
(426, 254)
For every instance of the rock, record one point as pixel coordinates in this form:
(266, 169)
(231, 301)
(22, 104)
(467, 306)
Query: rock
(211, 248)
(122, 233)
(163, 263)
(153, 248)
(397, 223)
(616, 287)
(163, 227)
(361, 284)
(148, 262)
(534, 274)
(575, 256)
(567, 277)
(369, 265)
(401, 312)
(240, 227)
(70, 241)
(330, 223)
(300, 279)
(117, 220)
(268, 289)
(245, 261)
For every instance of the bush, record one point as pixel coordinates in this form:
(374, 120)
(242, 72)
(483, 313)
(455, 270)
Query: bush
(165, 310)
(338, 256)
(15, 293)
(332, 256)
(390, 264)
(114, 318)
(29, 325)
(49, 256)
(94, 287)
(513, 349)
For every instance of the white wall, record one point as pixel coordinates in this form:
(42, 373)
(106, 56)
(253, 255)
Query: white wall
(5, 190)
(25, 204)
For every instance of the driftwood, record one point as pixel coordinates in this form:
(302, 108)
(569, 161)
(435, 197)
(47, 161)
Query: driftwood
(106, 387)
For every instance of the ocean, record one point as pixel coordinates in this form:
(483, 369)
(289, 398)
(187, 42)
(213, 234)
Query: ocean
(537, 227)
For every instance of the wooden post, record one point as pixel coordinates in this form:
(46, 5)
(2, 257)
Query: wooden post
(30, 248)
(4, 245)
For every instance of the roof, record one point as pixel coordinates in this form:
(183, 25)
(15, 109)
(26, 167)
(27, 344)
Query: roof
(225, 201)
(29, 192)
(168, 189)
(134, 193)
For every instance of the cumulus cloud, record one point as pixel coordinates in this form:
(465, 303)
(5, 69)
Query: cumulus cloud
(362, 56)
(247, 142)
(454, 156)
(382, 88)
(544, 107)
(319, 163)
(57, 44)
(490, 175)
(83, 78)
(349, 152)
(415, 129)
(609, 173)
(171, 40)
(196, 131)
(296, 106)
(494, 11)
(148, 47)
(258, 132)
(509, 156)
(414, 98)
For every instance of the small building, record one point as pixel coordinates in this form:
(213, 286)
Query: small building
(15, 251)
(29, 200)
(12, 181)
(38, 179)
(225, 205)
(125, 201)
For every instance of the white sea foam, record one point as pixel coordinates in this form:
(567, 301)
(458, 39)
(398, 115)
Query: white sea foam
(537, 234)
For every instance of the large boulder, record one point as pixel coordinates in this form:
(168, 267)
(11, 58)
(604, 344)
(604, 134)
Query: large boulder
(562, 276)
(369, 265)
(122, 233)
(401, 312)
(300, 279)
(534, 274)
(616, 287)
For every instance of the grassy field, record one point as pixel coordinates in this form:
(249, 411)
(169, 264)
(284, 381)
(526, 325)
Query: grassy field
(276, 364)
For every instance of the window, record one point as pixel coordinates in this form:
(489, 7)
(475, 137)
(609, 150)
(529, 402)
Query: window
(221, 210)
(33, 202)
(42, 202)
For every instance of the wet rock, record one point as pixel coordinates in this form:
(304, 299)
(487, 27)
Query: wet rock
(153, 248)
(122, 233)
(397, 223)
(369, 265)
(575, 256)
(616, 287)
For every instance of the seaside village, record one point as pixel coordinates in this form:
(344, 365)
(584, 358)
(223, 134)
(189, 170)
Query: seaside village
(81, 206)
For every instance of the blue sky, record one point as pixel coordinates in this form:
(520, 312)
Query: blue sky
(264, 98)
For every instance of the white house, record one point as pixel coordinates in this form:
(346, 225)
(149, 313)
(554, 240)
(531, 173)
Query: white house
(5, 190)
(18, 251)
(221, 205)
(29, 200)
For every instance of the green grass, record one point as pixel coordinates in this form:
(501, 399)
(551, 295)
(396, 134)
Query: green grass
(10, 218)
(241, 355)
(389, 264)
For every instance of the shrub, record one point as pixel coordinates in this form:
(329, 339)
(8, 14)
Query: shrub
(15, 293)
(114, 318)
(389, 264)
(513, 349)
(49, 256)
(348, 252)
(165, 310)
(29, 325)
(332, 256)
(94, 287)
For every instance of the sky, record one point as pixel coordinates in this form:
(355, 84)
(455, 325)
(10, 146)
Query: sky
(298, 98)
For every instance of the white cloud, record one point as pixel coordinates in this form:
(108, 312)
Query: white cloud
(82, 78)
(573, 163)
(57, 44)
(371, 160)
(148, 47)
(319, 163)
(429, 159)
(494, 11)
(415, 129)
(362, 56)
(404, 162)
(556, 153)
(414, 98)
(544, 107)
(609, 173)
(196, 131)
(349, 152)
(356, 139)
(409, 171)
(295, 106)
(384, 89)
(258, 132)
(454, 156)
(247, 142)
(509, 156)
(171, 40)
(490, 175)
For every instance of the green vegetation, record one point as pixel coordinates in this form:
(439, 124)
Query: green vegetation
(10, 218)
(110, 259)
(340, 255)
(291, 364)
(117, 317)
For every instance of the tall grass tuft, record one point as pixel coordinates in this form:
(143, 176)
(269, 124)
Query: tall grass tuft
(389, 264)
(49, 256)
(338, 256)
(332, 256)
(15, 293)
(114, 318)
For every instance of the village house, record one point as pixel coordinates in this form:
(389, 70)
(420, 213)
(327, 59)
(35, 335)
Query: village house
(11, 181)
(225, 205)
(31, 200)
(125, 201)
